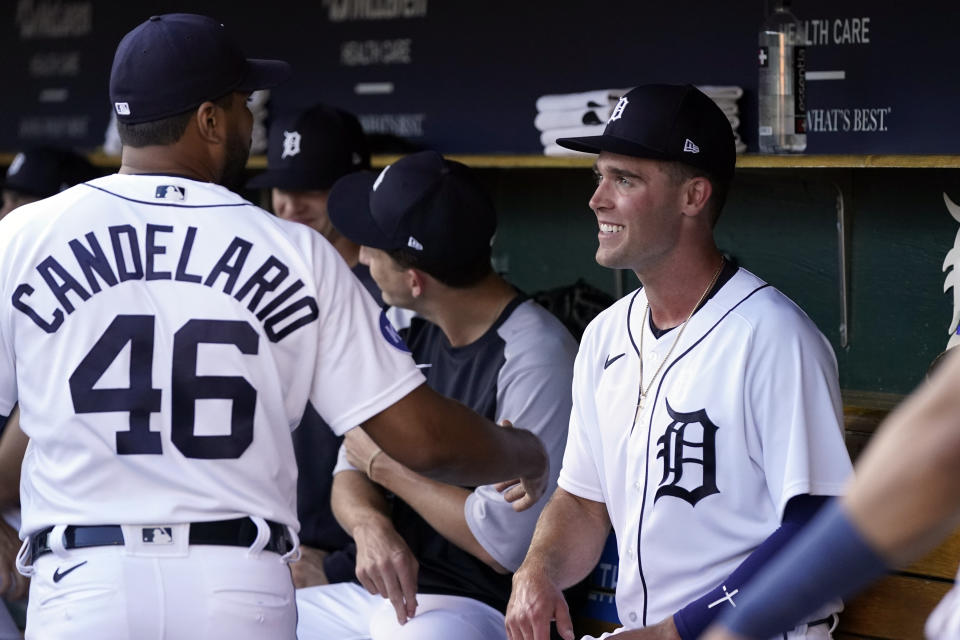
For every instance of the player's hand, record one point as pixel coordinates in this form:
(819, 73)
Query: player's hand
(525, 491)
(361, 450)
(308, 570)
(717, 632)
(386, 566)
(13, 586)
(534, 601)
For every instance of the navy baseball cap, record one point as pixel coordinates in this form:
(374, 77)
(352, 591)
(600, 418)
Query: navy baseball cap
(666, 122)
(430, 206)
(173, 63)
(313, 149)
(45, 171)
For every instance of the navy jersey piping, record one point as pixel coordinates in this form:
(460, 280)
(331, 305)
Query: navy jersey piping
(646, 467)
(168, 204)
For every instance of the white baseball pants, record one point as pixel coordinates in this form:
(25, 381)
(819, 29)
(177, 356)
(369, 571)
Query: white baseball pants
(162, 592)
(347, 612)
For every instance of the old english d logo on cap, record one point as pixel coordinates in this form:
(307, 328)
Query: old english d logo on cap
(291, 144)
(618, 110)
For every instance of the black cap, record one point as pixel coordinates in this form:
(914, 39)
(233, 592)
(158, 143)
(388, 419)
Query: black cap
(173, 63)
(312, 149)
(666, 122)
(45, 171)
(430, 206)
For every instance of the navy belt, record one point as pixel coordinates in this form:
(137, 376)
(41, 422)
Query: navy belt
(240, 532)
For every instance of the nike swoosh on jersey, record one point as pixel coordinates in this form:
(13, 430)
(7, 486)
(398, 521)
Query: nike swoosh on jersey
(610, 360)
(58, 576)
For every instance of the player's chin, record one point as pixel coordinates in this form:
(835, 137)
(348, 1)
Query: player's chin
(607, 257)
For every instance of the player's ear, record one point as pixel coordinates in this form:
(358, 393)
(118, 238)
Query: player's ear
(694, 195)
(416, 281)
(210, 122)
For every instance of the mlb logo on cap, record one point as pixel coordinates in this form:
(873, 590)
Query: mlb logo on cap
(123, 108)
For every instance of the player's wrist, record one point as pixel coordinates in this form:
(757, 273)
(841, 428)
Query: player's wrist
(534, 461)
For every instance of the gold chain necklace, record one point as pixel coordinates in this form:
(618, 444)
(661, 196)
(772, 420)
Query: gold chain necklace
(646, 313)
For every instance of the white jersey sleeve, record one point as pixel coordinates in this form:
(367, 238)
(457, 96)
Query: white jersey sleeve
(579, 474)
(794, 407)
(366, 366)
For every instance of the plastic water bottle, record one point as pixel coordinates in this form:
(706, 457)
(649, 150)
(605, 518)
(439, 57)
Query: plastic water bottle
(782, 88)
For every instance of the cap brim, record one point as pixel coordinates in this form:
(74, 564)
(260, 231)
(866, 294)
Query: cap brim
(612, 144)
(265, 74)
(349, 209)
(292, 180)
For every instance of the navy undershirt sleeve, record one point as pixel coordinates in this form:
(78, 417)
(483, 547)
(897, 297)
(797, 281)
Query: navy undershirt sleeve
(693, 619)
(3, 423)
(830, 560)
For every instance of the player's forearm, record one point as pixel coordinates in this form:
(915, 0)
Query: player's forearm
(441, 505)
(13, 444)
(446, 441)
(569, 538)
(906, 493)
(357, 502)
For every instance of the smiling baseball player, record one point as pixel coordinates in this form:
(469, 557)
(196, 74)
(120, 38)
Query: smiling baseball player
(706, 409)
(163, 337)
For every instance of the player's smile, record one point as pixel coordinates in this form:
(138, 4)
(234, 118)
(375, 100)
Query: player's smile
(608, 228)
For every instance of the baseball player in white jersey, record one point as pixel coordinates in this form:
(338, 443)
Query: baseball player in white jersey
(706, 410)
(163, 337)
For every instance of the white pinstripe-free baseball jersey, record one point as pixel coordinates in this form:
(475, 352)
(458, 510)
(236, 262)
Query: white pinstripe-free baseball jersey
(745, 415)
(163, 336)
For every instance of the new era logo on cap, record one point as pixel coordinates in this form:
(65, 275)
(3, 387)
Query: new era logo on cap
(123, 108)
(413, 243)
(690, 147)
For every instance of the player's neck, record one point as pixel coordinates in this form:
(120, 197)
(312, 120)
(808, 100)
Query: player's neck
(168, 159)
(348, 250)
(673, 292)
(466, 314)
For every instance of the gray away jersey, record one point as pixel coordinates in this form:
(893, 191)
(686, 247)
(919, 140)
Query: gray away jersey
(520, 370)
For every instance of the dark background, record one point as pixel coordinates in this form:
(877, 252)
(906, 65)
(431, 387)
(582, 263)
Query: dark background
(479, 65)
(477, 69)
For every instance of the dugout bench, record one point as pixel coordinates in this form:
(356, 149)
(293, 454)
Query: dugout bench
(894, 608)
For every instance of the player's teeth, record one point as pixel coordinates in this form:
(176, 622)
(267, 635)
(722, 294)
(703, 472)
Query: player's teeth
(611, 228)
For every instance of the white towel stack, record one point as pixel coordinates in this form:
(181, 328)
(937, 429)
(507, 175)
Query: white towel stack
(257, 103)
(571, 115)
(726, 97)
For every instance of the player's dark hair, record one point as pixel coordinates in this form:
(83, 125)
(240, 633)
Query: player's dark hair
(680, 172)
(459, 277)
(165, 131)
